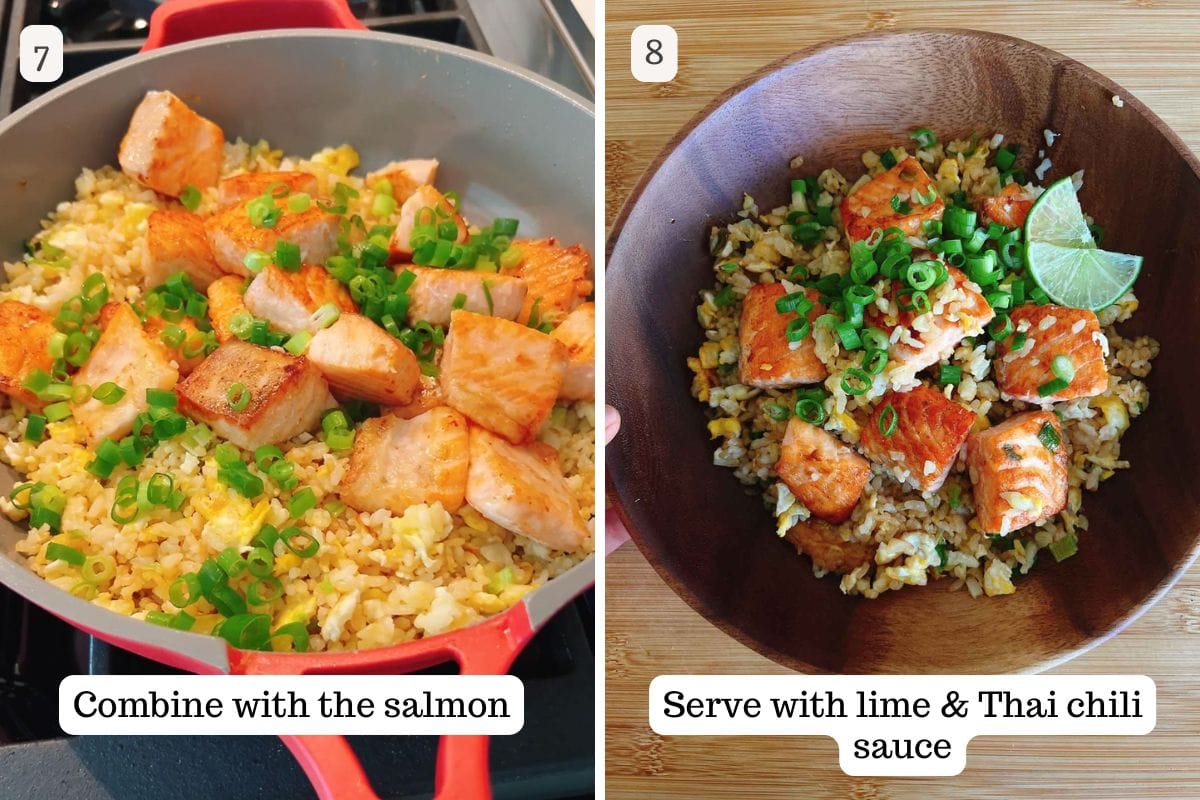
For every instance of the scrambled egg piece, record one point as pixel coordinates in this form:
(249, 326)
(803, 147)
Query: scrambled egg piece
(339, 159)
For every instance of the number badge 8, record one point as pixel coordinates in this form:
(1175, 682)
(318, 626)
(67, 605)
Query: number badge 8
(654, 53)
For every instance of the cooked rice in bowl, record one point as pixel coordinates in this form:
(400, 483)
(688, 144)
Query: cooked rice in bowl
(897, 535)
(377, 579)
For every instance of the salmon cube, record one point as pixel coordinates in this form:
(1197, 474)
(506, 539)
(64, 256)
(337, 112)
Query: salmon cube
(923, 444)
(435, 290)
(959, 310)
(287, 394)
(405, 176)
(25, 331)
(129, 356)
(557, 278)
(1009, 207)
(424, 197)
(397, 463)
(287, 300)
(232, 236)
(176, 242)
(224, 303)
(501, 374)
(767, 359)
(168, 146)
(578, 333)
(428, 395)
(870, 206)
(823, 543)
(360, 359)
(522, 489)
(1052, 331)
(824, 474)
(1019, 471)
(248, 185)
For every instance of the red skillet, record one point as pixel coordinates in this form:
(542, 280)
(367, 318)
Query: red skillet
(465, 94)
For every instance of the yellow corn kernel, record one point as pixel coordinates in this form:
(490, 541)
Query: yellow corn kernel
(947, 176)
(726, 426)
(847, 423)
(287, 561)
(709, 354)
(981, 424)
(1115, 413)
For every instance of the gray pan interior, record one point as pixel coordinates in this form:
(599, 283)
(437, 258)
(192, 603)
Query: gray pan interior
(509, 143)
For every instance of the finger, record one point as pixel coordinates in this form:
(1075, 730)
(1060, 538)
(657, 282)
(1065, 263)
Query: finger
(612, 423)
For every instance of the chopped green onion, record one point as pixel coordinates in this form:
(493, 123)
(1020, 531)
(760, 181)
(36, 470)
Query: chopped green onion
(281, 474)
(856, 295)
(264, 591)
(887, 158)
(231, 562)
(182, 621)
(185, 590)
(976, 242)
(300, 543)
(888, 420)
(810, 410)
(1018, 340)
(298, 343)
(62, 552)
(340, 440)
(384, 205)
(238, 396)
(77, 348)
(256, 261)
(797, 302)
(98, 570)
(161, 398)
(1063, 367)
(924, 138)
(921, 275)
(1064, 548)
(855, 381)
(190, 197)
(247, 631)
(1000, 328)
(848, 336)
(266, 455)
(874, 339)
(1005, 158)
(287, 256)
(299, 202)
(460, 300)
(1049, 437)
(928, 198)
(227, 601)
(35, 428)
(1052, 387)
(263, 212)
(297, 632)
(260, 561)
(874, 361)
(301, 502)
(959, 222)
(797, 330)
(159, 487)
(900, 205)
(776, 411)
(326, 315)
(56, 412)
(949, 375)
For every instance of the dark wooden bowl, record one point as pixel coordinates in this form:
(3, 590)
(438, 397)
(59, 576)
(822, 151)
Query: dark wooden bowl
(713, 543)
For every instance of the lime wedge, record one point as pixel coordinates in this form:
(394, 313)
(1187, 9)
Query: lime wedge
(1081, 277)
(1056, 218)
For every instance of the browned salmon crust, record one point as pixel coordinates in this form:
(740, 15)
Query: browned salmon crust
(25, 331)
(1053, 331)
(929, 431)
(767, 360)
(822, 543)
(821, 471)
(1019, 472)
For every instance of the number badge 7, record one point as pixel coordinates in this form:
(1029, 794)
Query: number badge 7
(654, 53)
(41, 53)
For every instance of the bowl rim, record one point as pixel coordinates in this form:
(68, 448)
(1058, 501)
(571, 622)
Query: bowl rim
(615, 468)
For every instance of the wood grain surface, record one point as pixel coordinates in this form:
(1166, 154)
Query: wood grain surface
(650, 631)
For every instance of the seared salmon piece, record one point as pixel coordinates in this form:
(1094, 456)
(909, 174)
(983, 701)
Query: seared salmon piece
(287, 300)
(522, 489)
(824, 474)
(397, 463)
(360, 359)
(1019, 471)
(287, 394)
(435, 290)
(240, 188)
(821, 542)
(132, 358)
(428, 395)
(557, 278)
(923, 444)
(965, 313)
(25, 331)
(176, 242)
(423, 197)
(1052, 331)
(501, 374)
(870, 206)
(405, 176)
(168, 146)
(578, 333)
(192, 342)
(1009, 207)
(767, 359)
(232, 235)
(224, 303)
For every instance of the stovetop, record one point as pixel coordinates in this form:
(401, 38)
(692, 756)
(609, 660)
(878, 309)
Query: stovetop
(552, 757)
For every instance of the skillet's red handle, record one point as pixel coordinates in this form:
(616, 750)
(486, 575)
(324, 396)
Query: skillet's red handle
(178, 21)
(487, 648)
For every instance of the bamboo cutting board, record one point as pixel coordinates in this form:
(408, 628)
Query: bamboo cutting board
(1142, 44)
